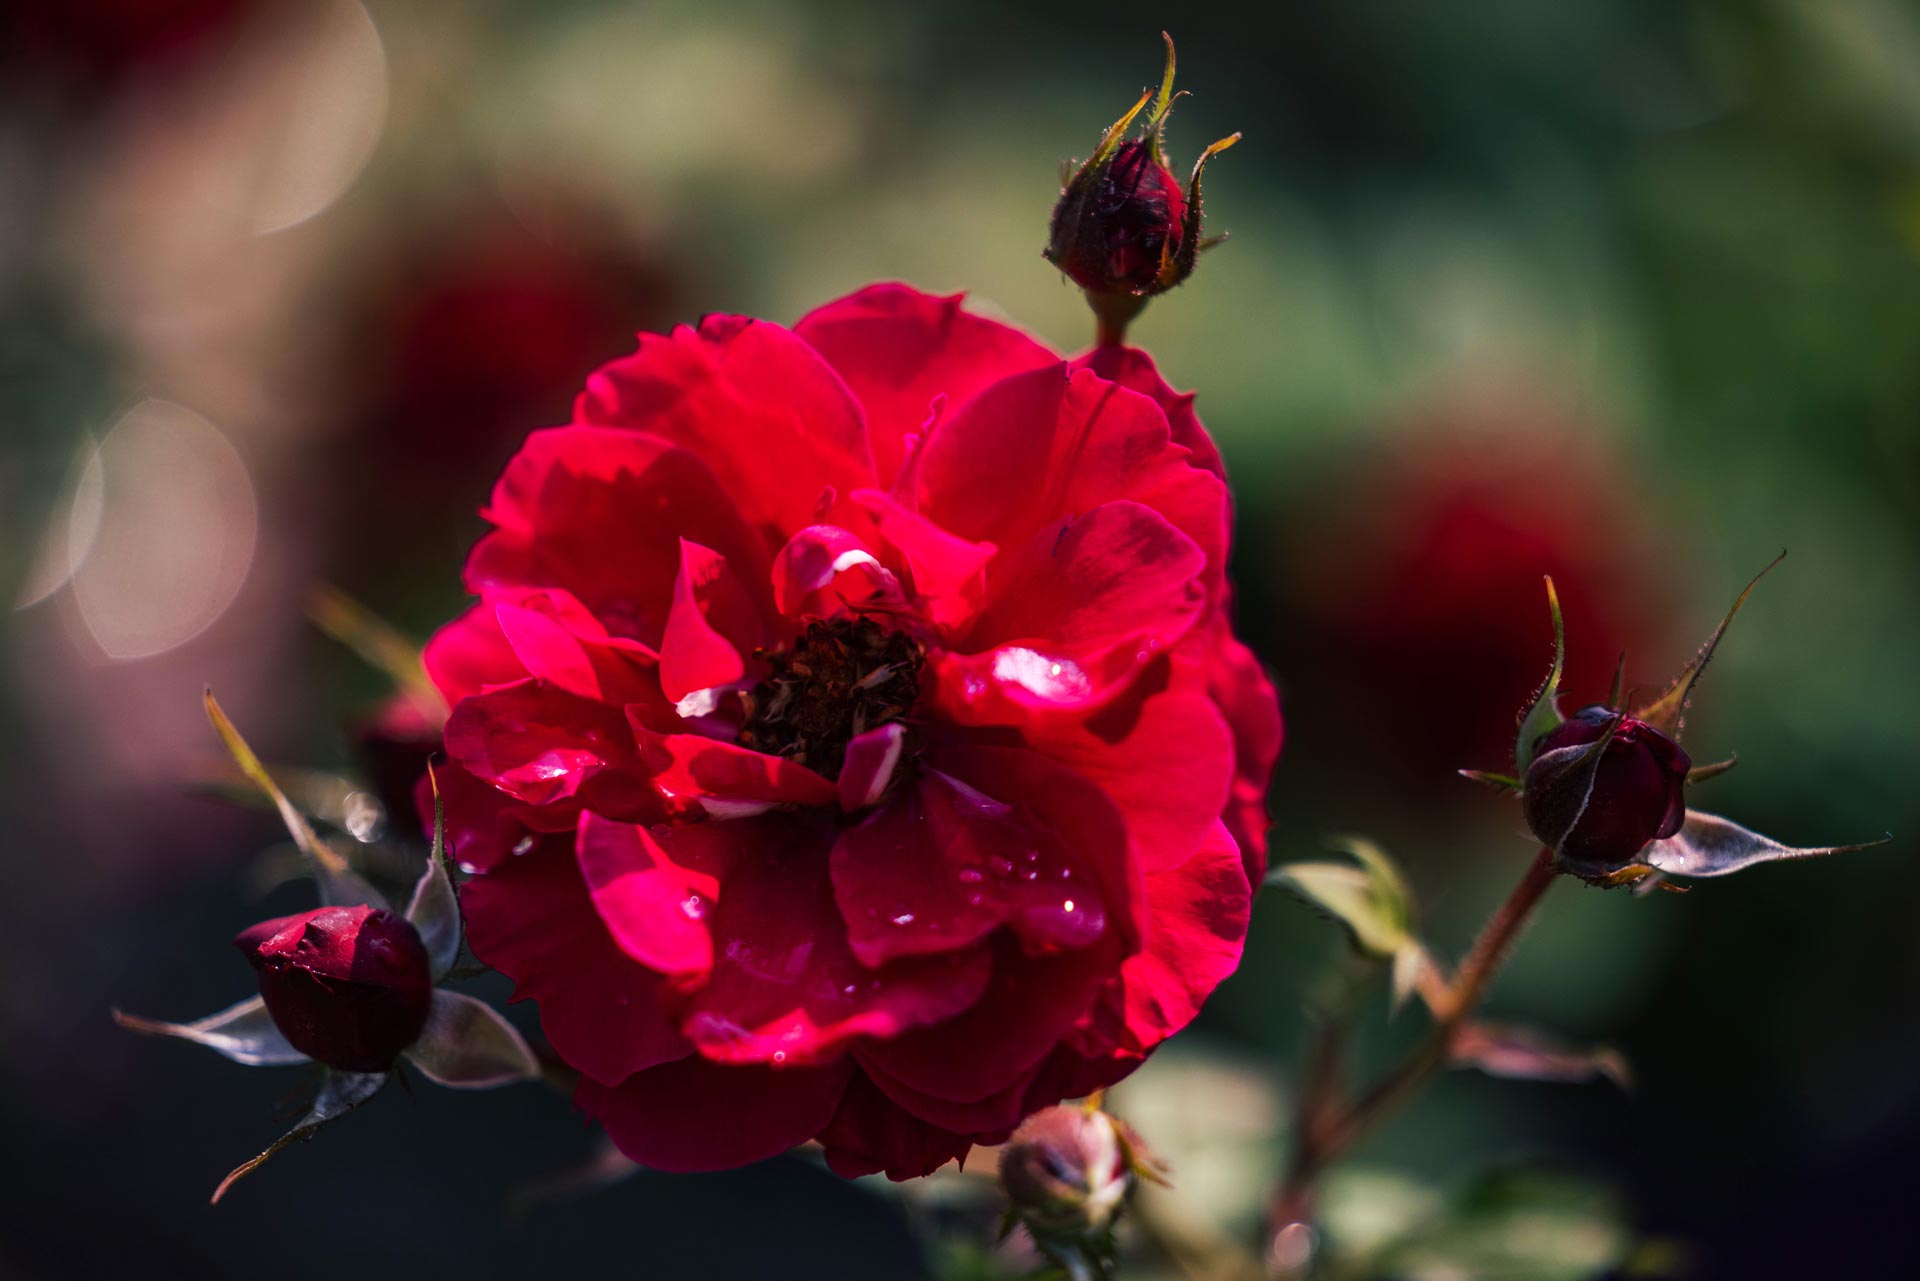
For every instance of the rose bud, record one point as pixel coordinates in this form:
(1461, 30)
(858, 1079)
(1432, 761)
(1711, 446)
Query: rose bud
(348, 986)
(1067, 1171)
(1123, 230)
(1638, 791)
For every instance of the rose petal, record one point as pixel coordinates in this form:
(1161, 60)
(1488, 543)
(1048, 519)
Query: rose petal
(531, 919)
(600, 513)
(824, 569)
(544, 746)
(696, 1115)
(786, 988)
(870, 761)
(471, 655)
(1074, 616)
(653, 894)
(558, 641)
(1134, 369)
(1245, 695)
(942, 866)
(871, 1133)
(949, 573)
(770, 417)
(1048, 445)
(726, 779)
(694, 655)
(897, 348)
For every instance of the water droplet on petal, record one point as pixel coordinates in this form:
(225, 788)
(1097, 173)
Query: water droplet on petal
(970, 876)
(904, 918)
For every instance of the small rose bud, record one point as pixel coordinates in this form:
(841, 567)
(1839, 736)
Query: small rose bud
(1067, 1172)
(348, 986)
(1638, 796)
(1123, 229)
(1113, 236)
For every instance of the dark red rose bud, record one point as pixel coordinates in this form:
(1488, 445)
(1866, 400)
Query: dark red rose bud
(348, 986)
(1124, 229)
(1115, 236)
(1639, 789)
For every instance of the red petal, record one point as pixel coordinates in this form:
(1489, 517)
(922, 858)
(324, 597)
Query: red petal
(1134, 370)
(949, 573)
(1047, 445)
(1032, 1001)
(600, 513)
(1240, 686)
(542, 745)
(470, 655)
(653, 896)
(1198, 914)
(941, 866)
(871, 1133)
(696, 1115)
(1165, 761)
(1073, 616)
(693, 654)
(870, 762)
(785, 987)
(558, 641)
(772, 420)
(726, 779)
(898, 348)
(530, 918)
(484, 824)
(823, 569)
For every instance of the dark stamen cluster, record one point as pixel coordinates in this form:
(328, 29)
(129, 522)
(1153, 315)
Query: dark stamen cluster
(841, 678)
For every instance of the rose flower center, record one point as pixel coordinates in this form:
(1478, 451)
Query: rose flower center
(839, 679)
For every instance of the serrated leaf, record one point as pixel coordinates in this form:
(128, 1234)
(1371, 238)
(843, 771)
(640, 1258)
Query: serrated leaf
(340, 1093)
(339, 884)
(1709, 845)
(1668, 713)
(466, 1044)
(1523, 1054)
(1543, 714)
(244, 1032)
(1371, 900)
(434, 909)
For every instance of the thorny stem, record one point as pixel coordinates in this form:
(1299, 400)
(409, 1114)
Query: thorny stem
(1327, 1130)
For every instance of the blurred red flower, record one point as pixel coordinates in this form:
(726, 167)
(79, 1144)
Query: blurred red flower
(853, 740)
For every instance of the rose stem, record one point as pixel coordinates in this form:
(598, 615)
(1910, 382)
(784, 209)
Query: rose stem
(1321, 1139)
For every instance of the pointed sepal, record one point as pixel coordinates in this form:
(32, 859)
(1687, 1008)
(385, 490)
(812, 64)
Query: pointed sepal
(340, 1093)
(339, 884)
(244, 1033)
(1668, 713)
(466, 1044)
(1560, 784)
(1708, 845)
(434, 909)
(1543, 713)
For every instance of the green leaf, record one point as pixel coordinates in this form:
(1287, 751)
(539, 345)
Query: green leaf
(1523, 1054)
(1708, 845)
(1668, 713)
(340, 1093)
(1543, 714)
(378, 643)
(434, 909)
(466, 1044)
(339, 884)
(244, 1033)
(1371, 900)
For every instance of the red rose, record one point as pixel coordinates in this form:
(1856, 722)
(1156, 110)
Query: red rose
(348, 986)
(853, 733)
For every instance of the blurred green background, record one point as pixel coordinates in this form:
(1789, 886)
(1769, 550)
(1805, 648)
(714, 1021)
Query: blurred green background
(1624, 292)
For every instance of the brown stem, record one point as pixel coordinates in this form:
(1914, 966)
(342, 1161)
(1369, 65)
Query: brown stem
(1321, 1140)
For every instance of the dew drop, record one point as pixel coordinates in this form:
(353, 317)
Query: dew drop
(904, 918)
(970, 876)
(1000, 865)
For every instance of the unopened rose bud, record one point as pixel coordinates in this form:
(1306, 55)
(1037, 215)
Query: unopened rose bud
(1066, 1172)
(347, 986)
(1638, 794)
(1123, 229)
